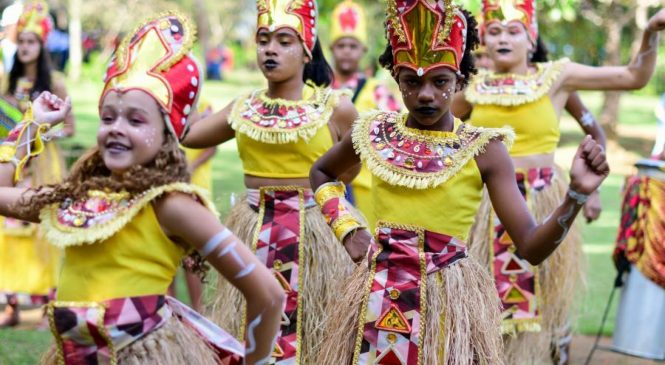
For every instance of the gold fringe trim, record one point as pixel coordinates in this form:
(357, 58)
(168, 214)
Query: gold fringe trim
(547, 74)
(63, 236)
(512, 327)
(322, 96)
(420, 180)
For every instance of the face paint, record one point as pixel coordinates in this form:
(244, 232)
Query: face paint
(563, 223)
(587, 119)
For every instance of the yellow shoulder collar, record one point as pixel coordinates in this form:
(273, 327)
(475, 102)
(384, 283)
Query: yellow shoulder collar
(103, 214)
(414, 158)
(489, 88)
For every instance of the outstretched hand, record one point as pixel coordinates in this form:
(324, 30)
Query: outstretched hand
(49, 108)
(657, 22)
(589, 167)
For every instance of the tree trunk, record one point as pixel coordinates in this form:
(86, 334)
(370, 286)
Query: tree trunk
(613, 25)
(75, 40)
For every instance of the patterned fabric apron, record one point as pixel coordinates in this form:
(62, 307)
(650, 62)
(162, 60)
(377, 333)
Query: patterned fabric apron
(515, 279)
(278, 245)
(394, 306)
(92, 333)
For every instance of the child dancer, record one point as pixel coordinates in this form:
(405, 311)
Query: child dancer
(126, 217)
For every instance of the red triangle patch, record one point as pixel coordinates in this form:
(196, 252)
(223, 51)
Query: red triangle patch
(389, 359)
(514, 266)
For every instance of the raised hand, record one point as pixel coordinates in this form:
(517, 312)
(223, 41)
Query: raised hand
(589, 167)
(48, 108)
(657, 22)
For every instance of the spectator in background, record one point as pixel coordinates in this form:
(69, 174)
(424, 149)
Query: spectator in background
(57, 43)
(8, 45)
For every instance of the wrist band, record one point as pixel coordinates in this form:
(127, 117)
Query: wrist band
(330, 198)
(14, 142)
(579, 198)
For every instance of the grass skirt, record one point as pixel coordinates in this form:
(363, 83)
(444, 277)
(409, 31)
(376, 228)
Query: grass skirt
(325, 263)
(172, 344)
(462, 324)
(560, 276)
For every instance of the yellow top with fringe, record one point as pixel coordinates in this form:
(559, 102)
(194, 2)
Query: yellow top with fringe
(114, 247)
(280, 138)
(522, 102)
(434, 173)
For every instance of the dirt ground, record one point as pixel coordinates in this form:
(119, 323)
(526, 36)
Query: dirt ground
(582, 345)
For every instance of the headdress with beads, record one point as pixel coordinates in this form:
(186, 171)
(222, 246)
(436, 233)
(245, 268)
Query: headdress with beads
(348, 20)
(506, 11)
(299, 15)
(36, 19)
(157, 59)
(426, 34)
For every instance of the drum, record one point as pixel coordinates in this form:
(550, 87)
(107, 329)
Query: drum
(651, 168)
(640, 322)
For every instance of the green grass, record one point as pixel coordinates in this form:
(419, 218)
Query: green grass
(25, 347)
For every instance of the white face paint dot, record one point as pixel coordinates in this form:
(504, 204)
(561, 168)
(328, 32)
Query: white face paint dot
(188, 108)
(192, 94)
(174, 29)
(183, 121)
(312, 21)
(312, 13)
(195, 81)
(420, 72)
(190, 68)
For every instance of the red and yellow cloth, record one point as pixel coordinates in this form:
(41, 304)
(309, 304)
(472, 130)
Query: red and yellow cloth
(641, 237)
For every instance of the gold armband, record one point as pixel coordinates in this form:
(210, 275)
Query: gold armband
(333, 204)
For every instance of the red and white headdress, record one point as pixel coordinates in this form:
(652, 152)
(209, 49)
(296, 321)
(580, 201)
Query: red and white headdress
(506, 11)
(426, 34)
(157, 59)
(299, 15)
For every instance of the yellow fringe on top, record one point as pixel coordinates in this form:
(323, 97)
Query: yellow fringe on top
(532, 87)
(62, 236)
(394, 175)
(324, 100)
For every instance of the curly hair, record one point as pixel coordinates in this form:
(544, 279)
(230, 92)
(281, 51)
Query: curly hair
(467, 66)
(90, 173)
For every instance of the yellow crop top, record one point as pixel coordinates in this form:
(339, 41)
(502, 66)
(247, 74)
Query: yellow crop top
(421, 178)
(114, 248)
(280, 138)
(521, 102)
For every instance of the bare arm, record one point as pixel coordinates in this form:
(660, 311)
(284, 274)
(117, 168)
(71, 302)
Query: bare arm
(68, 128)
(461, 107)
(210, 131)
(47, 109)
(342, 123)
(337, 162)
(633, 76)
(536, 242)
(576, 108)
(590, 126)
(203, 158)
(188, 221)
